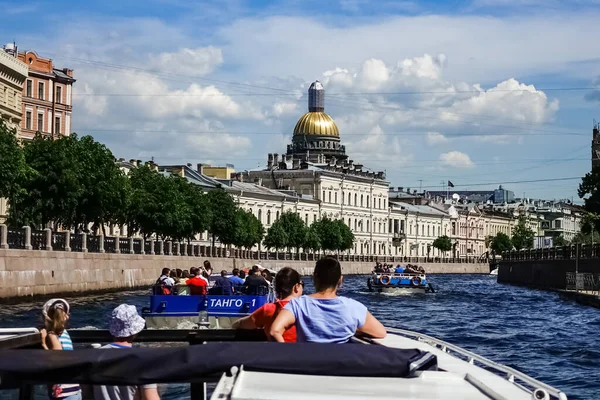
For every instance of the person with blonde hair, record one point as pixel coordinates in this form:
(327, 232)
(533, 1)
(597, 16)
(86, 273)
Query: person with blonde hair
(55, 337)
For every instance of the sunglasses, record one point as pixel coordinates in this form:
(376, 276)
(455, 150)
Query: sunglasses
(301, 283)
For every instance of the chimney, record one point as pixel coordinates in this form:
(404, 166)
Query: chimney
(121, 159)
(400, 188)
(332, 161)
(408, 190)
(415, 192)
(134, 162)
(358, 167)
(275, 159)
(200, 168)
(351, 164)
(270, 161)
(189, 164)
(296, 163)
(288, 158)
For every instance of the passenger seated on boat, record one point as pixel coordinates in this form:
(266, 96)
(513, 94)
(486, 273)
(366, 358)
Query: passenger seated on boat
(254, 282)
(55, 337)
(223, 286)
(324, 316)
(207, 270)
(399, 269)
(196, 283)
(181, 287)
(288, 285)
(235, 278)
(124, 325)
(164, 284)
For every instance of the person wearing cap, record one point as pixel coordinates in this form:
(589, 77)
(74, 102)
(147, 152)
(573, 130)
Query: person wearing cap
(55, 337)
(125, 324)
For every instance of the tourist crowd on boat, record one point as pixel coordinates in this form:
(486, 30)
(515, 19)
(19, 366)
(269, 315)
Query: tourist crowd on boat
(293, 317)
(398, 269)
(200, 281)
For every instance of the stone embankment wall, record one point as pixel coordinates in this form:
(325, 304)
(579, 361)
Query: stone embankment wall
(545, 274)
(43, 273)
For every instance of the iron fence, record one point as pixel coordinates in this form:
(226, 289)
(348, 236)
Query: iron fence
(109, 245)
(38, 240)
(93, 244)
(148, 246)
(583, 281)
(124, 245)
(76, 242)
(137, 246)
(15, 238)
(59, 241)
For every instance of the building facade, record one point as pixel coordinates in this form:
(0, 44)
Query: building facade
(47, 98)
(316, 167)
(12, 76)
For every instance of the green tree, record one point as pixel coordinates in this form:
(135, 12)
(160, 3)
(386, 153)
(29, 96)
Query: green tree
(329, 232)
(589, 190)
(559, 241)
(500, 243)
(346, 236)
(103, 194)
(443, 243)
(522, 235)
(54, 186)
(222, 216)
(13, 168)
(294, 228)
(312, 241)
(276, 237)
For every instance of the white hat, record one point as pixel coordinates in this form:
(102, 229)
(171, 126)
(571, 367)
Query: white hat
(125, 322)
(54, 304)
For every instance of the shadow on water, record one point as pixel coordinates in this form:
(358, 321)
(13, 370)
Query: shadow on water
(533, 331)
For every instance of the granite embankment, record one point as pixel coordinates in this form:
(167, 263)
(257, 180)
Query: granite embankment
(43, 273)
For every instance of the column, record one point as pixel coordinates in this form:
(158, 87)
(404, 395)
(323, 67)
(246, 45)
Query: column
(28, 238)
(84, 242)
(101, 243)
(151, 246)
(131, 250)
(3, 236)
(48, 239)
(142, 246)
(117, 245)
(68, 241)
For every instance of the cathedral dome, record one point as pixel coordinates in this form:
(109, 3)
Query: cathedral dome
(316, 123)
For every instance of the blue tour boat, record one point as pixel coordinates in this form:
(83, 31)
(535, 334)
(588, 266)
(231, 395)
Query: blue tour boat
(391, 282)
(205, 311)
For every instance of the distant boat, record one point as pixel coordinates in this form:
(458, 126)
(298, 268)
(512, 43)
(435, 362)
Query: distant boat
(494, 271)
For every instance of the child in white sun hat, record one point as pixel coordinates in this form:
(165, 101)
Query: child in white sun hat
(125, 323)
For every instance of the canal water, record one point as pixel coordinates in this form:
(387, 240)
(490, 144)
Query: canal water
(536, 332)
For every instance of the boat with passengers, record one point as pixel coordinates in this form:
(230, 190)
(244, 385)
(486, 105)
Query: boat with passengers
(387, 278)
(211, 310)
(403, 365)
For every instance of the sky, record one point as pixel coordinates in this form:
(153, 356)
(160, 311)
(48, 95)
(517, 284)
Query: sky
(478, 92)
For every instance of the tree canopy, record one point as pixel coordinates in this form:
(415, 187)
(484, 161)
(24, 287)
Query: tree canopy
(13, 168)
(589, 190)
(522, 235)
(443, 243)
(501, 243)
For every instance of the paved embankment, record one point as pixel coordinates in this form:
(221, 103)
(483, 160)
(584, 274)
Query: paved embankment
(42, 273)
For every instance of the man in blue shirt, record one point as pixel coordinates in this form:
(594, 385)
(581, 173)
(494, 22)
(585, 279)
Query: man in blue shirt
(235, 278)
(399, 269)
(325, 317)
(223, 284)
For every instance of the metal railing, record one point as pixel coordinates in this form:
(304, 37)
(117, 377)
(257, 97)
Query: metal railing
(21, 238)
(583, 282)
(518, 378)
(581, 251)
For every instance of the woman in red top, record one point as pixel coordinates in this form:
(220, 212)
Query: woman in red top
(288, 285)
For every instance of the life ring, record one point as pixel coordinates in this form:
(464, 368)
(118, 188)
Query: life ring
(385, 280)
(416, 281)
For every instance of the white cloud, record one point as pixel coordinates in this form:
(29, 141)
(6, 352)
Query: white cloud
(435, 138)
(198, 62)
(285, 108)
(456, 159)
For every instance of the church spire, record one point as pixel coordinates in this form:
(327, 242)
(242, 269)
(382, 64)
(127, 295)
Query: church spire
(316, 97)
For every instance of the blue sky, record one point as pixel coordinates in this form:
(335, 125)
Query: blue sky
(479, 91)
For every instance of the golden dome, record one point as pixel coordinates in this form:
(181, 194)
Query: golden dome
(316, 123)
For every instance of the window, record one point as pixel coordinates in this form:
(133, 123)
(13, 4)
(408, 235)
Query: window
(454, 228)
(428, 231)
(335, 197)
(260, 215)
(379, 204)
(29, 91)
(361, 200)
(355, 199)
(28, 120)
(402, 226)
(356, 225)
(343, 198)
(277, 216)
(269, 217)
(368, 201)
(41, 90)
(57, 125)
(306, 219)
(40, 122)
(323, 195)
(330, 197)
(59, 94)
